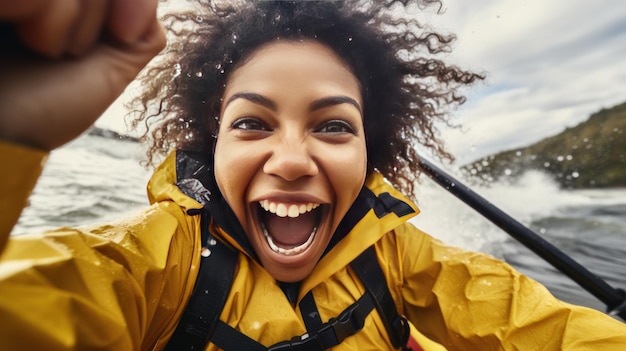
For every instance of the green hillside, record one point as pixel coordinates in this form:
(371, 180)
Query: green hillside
(589, 155)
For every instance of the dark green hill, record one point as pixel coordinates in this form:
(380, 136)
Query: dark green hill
(589, 155)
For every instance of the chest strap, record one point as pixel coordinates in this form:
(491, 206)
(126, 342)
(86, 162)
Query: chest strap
(200, 322)
(330, 334)
(368, 269)
(209, 296)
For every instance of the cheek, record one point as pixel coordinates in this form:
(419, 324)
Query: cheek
(347, 171)
(233, 170)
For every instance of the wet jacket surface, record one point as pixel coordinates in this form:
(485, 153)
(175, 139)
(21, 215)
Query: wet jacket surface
(123, 285)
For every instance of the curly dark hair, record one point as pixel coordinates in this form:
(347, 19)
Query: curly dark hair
(406, 88)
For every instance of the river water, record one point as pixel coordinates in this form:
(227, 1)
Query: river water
(94, 179)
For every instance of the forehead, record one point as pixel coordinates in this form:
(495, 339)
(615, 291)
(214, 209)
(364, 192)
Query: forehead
(294, 66)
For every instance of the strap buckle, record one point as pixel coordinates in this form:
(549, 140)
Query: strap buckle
(348, 323)
(331, 334)
(298, 343)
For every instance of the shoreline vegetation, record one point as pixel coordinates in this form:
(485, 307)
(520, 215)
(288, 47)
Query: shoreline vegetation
(110, 134)
(589, 155)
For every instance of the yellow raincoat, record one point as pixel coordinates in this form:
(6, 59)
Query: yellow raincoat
(124, 285)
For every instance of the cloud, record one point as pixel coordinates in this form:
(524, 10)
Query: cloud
(549, 65)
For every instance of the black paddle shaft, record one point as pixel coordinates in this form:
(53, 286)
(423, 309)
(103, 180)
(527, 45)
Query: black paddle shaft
(615, 299)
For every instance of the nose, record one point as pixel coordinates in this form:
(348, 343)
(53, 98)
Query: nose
(291, 160)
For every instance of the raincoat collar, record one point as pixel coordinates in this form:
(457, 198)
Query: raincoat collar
(187, 178)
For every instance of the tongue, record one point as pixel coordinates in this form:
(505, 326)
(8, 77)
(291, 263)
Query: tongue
(290, 232)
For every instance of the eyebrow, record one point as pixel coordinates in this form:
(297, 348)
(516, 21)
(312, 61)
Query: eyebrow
(332, 101)
(314, 106)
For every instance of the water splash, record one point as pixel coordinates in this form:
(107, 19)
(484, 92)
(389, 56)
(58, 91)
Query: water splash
(447, 218)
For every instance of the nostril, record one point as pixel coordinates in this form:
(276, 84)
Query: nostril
(290, 164)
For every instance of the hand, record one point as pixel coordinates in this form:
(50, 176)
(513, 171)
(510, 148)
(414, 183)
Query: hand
(65, 61)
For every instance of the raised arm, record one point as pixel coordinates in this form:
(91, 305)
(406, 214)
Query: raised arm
(62, 63)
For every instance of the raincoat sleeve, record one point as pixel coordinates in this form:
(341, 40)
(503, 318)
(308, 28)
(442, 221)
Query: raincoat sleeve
(113, 287)
(471, 301)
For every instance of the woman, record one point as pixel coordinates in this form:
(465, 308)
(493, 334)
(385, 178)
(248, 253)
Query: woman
(286, 117)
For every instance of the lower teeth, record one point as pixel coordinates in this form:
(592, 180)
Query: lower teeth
(292, 251)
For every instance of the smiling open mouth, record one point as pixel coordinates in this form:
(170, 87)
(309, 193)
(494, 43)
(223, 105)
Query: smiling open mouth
(289, 228)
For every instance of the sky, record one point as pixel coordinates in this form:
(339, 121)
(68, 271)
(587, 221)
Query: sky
(549, 65)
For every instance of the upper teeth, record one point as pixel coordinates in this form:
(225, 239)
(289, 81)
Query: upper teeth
(287, 210)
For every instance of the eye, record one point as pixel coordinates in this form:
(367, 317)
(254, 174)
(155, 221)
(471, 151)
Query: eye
(250, 124)
(336, 126)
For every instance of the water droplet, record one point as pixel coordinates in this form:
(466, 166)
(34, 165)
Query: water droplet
(542, 230)
(199, 74)
(508, 172)
(212, 242)
(569, 157)
(205, 252)
(546, 164)
(560, 158)
(519, 153)
(177, 70)
(575, 174)
(350, 38)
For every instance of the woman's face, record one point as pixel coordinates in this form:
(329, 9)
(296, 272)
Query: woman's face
(290, 157)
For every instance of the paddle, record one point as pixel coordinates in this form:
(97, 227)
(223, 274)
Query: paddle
(615, 299)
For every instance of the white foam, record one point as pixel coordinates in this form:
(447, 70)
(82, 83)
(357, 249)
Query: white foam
(532, 196)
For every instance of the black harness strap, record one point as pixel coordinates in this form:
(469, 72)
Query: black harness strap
(209, 295)
(310, 314)
(368, 269)
(200, 322)
(330, 334)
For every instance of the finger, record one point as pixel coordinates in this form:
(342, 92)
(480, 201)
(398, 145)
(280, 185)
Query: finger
(88, 27)
(130, 59)
(48, 31)
(45, 104)
(129, 20)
